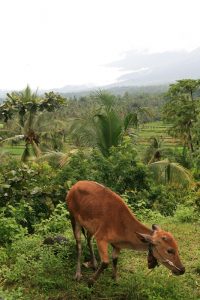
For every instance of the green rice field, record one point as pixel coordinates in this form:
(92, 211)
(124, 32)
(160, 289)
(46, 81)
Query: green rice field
(143, 135)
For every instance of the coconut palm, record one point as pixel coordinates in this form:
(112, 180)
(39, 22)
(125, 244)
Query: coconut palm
(57, 158)
(105, 126)
(156, 150)
(28, 107)
(166, 172)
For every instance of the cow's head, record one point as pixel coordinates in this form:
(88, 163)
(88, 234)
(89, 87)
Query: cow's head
(163, 249)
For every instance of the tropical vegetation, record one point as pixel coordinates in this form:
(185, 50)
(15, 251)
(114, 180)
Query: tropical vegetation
(145, 147)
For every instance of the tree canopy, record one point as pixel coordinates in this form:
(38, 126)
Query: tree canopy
(182, 110)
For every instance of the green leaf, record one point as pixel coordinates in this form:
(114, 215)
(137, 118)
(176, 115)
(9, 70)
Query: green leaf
(36, 190)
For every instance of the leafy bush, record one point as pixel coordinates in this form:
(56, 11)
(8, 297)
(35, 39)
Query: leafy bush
(78, 168)
(197, 201)
(29, 192)
(10, 230)
(3, 255)
(185, 214)
(120, 171)
(159, 198)
(56, 223)
(164, 200)
(32, 264)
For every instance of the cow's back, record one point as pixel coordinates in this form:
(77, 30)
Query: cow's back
(96, 207)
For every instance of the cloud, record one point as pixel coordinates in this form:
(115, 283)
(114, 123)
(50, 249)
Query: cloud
(143, 68)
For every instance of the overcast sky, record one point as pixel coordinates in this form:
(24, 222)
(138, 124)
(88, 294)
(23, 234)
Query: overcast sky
(52, 43)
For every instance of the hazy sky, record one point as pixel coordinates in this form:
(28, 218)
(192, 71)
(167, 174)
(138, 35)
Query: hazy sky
(52, 43)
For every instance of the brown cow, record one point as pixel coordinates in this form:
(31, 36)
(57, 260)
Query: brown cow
(105, 216)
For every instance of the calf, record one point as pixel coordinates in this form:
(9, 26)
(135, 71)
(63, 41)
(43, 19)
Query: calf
(104, 216)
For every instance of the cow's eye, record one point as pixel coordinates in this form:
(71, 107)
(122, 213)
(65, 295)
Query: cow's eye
(171, 251)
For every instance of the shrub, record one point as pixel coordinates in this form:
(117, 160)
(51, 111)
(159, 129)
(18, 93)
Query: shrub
(57, 223)
(120, 171)
(29, 192)
(123, 173)
(185, 214)
(10, 230)
(78, 168)
(197, 201)
(159, 198)
(31, 264)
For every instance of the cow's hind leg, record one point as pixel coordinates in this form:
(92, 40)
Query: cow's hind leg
(103, 252)
(77, 234)
(94, 263)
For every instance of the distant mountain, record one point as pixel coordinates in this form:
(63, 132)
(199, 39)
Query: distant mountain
(116, 89)
(142, 72)
(146, 72)
(157, 68)
(148, 89)
(70, 89)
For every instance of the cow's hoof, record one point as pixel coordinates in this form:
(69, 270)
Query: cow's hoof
(78, 276)
(91, 282)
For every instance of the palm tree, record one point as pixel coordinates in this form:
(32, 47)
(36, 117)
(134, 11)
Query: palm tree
(105, 126)
(156, 150)
(166, 172)
(25, 103)
(29, 108)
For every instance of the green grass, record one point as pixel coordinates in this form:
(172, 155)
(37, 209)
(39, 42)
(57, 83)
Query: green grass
(13, 150)
(30, 270)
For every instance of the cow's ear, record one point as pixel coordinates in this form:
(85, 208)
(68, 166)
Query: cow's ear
(145, 238)
(155, 227)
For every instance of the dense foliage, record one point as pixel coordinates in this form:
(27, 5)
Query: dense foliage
(99, 137)
(31, 192)
(182, 111)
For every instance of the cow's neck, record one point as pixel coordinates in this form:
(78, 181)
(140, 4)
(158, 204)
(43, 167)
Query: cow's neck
(137, 227)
